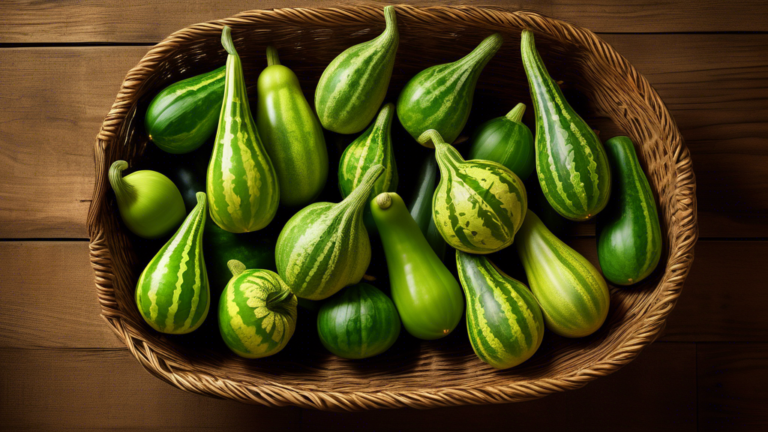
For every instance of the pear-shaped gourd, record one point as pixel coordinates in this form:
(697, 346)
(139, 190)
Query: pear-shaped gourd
(150, 204)
(506, 140)
(172, 293)
(354, 84)
(325, 246)
(373, 147)
(570, 161)
(504, 321)
(291, 134)
(243, 191)
(257, 312)
(478, 205)
(440, 97)
(571, 292)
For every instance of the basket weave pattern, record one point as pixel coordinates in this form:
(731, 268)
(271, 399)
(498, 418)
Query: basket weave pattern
(434, 375)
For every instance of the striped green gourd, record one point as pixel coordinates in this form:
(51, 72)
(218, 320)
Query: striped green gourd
(571, 292)
(440, 97)
(628, 231)
(185, 114)
(291, 134)
(504, 321)
(373, 147)
(478, 205)
(257, 312)
(354, 84)
(421, 204)
(506, 140)
(325, 246)
(243, 191)
(359, 322)
(570, 161)
(172, 293)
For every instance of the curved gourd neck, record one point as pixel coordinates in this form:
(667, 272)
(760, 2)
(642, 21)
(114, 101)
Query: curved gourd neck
(444, 152)
(272, 57)
(359, 195)
(227, 42)
(516, 114)
(482, 54)
(540, 81)
(123, 191)
(390, 35)
(235, 267)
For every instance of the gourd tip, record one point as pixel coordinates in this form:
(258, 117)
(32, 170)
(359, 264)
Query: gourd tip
(235, 267)
(516, 114)
(383, 200)
(226, 40)
(272, 57)
(200, 197)
(430, 136)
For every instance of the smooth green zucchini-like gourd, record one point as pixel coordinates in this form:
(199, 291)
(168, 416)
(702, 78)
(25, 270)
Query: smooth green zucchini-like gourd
(354, 84)
(421, 204)
(506, 140)
(440, 97)
(478, 205)
(504, 321)
(628, 231)
(242, 186)
(571, 292)
(291, 134)
(570, 161)
(325, 246)
(172, 293)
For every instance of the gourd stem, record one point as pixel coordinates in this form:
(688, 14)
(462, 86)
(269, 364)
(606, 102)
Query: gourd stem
(383, 200)
(359, 196)
(235, 267)
(121, 188)
(227, 42)
(516, 115)
(274, 299)
(484, 51)
(390, 17)
(272, 58)
(432, 136)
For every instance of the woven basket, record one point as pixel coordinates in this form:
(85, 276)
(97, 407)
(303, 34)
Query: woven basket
(413, 374)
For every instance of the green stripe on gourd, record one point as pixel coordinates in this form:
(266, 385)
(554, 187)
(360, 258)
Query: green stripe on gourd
(571, 292)
(172, 293)
(478, 205)
(440, 97)
(257, 312)
(420, 206)
(504, 321)
(242, 186)
(506, 140)
(570, 161)
(354, 84)
(325, 246)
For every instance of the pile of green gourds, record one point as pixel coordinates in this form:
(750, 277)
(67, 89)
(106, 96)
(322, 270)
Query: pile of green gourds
(479, 206)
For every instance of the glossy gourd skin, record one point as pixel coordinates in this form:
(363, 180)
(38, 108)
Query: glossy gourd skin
(478, 205)
(150, 204)
(425, 292)
(172, 293)
(354, 84)
(359, 322)
(440, 97)
(325, 246)
(242, 185)
(185, 114)
(506, 140)
(628, 231)
(571, 164)
(257, 312)
(291, 133)
(571, 292)
(504, 321)
(421, 204)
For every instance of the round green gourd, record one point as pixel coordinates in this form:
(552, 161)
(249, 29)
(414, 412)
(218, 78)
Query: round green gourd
(505, 140)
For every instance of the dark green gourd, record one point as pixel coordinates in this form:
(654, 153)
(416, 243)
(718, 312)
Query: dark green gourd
(506, 140)
(421, 204)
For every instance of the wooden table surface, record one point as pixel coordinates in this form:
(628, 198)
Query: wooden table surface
(61, 65)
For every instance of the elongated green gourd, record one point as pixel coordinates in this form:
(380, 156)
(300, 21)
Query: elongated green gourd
(291, 134)
(440, 97)
(504, 321)
(185, 114)
(172, 293)
(373, 147)
(506, 140)
(571, 292)
(243, 191)
(425, 292)
(325, 246)
(478, 205)
(628, 231)
(570, 161)
(421, 204)
(354, 84)
(150, 204)
(257, 312)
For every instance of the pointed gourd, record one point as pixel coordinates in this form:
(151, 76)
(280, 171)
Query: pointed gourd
(440, 97)
(257, 312)
(478, 205)
(172, 293)
(505, 140)
(504, 321)
(571, 292)
(242, 186)
(570, 161)
(354, 84)
(291, 134)
(325, 246)
(421, 204)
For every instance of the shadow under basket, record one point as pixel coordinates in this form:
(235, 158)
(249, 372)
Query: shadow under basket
(602, 85)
